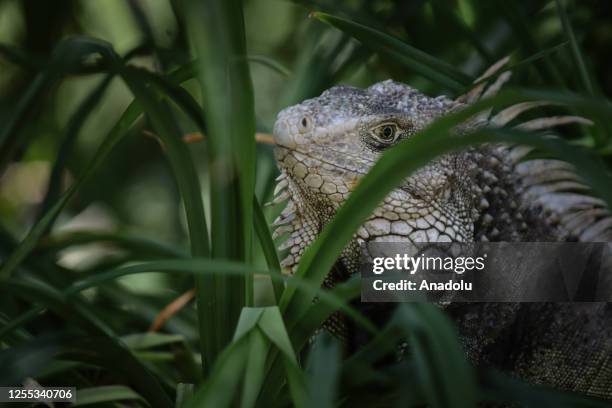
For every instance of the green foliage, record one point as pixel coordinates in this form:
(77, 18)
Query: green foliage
(247, 341)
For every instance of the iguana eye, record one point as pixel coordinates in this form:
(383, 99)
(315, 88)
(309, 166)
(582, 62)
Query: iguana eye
(386, 133)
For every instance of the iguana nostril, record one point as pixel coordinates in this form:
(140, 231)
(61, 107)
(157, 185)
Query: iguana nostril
(282, 134)
(305, 125)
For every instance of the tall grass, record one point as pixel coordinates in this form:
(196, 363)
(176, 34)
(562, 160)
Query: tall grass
(64, 327)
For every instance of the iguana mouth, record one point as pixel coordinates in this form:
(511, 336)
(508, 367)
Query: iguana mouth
(281, 152)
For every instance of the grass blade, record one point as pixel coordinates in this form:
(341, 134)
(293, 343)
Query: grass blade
(118, 131)
(270, 63)
(179, 157)
(37, 231)
(449, 16)
(198, 266)
(267, 246)
(74, 126)
(323, 369)
(217, 30)
(67, 57)
(101, 349)
(140, 341)
(134, 244)
(410, 57)
(522, 32)
(576, 54)
(184, 392)
(602, 132)
(244, 358)
(445, 376)
(107, 393)
(501, 387)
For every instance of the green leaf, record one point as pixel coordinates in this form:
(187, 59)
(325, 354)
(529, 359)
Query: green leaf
(245, 357)
(29, 242)
(576, 54)
(302, 330)
(73, 128)
(410, 57)
(216, 29)
(67, 57)
(267, 246)
(107, 393)
(323, 370)
(255, 366)
(74, 311)
(502, 387)
(197, 224)
(183, 393)
(323, 62)
(106, 353)
(271, 323)
(443, 372)
(141, 341)
(587, 82)
(20, 57)
(179, 157)
(521, 28)
(136, 245)
(220, 387)
(449, 16)
(270, 63)
(197, 266)
(28, 357)
(27, 360)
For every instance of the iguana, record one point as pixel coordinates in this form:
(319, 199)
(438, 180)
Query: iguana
(326, 144)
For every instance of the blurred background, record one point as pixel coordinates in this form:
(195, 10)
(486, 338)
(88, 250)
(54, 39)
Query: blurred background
(292, 57)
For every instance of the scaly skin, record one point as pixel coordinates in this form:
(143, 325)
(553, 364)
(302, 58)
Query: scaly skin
(326, 144)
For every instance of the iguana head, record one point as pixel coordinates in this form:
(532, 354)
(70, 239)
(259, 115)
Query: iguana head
(326, 144)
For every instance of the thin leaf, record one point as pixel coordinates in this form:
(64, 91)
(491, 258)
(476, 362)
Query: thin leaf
(107, 393)
(576, 54)
(179, 157)
(29, 242)
(23, 361)
(216, 29)
(67, 57)
(202, 267)
(43, 294)
(136, 245)
(141, 341)
(121, 128)
(521, 28)
(412, 58)
(267, 246)
(323, 370)
(445, 376)
(184, 392)
(270, 63)
(73, 128)
(255, 368)
(501, 387)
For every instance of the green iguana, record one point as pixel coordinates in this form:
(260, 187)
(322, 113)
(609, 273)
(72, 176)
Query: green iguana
(326, 144)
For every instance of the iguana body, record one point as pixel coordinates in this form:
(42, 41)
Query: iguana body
(326, 144)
